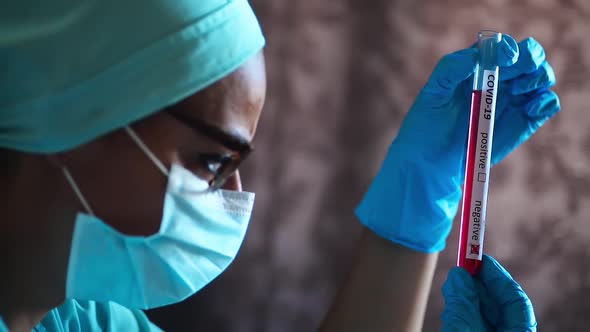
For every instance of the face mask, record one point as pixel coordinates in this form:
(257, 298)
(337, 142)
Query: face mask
(200, 234)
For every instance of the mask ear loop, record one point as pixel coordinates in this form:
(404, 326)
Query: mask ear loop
(77, 191)
(156, 161)
(146, 150)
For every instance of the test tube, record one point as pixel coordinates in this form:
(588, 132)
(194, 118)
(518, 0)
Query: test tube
(479, 151)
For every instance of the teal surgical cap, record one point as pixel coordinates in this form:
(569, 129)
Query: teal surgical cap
(73, 70)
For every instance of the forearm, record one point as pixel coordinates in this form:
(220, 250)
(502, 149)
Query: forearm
(386, 290)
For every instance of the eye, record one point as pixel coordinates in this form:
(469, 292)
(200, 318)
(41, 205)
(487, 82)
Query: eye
(212, 166)
(213, 163)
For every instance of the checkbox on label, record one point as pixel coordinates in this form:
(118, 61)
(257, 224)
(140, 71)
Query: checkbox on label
(481, 177)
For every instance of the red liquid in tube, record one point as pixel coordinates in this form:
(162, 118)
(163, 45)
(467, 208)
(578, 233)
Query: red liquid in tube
(471, 265)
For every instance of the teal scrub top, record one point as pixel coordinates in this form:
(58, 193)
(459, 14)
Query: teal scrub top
(84, 316)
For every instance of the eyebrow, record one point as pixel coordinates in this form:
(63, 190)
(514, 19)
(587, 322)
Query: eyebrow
(232, 141)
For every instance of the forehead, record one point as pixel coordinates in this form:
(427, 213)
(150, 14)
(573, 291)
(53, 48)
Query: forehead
(232, 104)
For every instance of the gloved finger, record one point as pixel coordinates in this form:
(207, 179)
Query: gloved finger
(508, 51)
(454, 68)
(451, 70)
(461, 301)
(490, 311)
(531, 56)
(521, 120)
(542, 106)
(516, 309)
(542, 78)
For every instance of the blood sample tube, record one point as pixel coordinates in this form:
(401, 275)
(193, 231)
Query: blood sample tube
(479, 151)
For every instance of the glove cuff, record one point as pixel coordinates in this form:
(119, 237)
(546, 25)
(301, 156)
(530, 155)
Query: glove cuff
(410, 202)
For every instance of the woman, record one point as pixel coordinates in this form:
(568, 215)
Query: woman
(123, 126)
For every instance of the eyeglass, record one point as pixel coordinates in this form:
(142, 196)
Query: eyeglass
(222, 166)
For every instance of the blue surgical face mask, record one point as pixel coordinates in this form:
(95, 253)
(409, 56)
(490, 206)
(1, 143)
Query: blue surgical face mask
(200, 234)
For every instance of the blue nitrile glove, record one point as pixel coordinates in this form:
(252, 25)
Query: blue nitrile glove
(490, 301)
(415, 196)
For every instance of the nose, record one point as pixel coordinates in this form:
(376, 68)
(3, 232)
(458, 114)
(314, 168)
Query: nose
(233, 183)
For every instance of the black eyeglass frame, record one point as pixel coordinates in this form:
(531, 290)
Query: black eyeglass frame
(230, 162)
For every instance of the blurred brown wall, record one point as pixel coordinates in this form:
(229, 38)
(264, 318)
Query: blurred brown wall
(342, 74)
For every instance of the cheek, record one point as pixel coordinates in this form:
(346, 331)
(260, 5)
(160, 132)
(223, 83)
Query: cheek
(129, 189)
(133, 202)
(124, 187)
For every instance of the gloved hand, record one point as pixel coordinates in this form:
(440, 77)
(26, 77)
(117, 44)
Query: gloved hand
(490, 301)
(415, 196)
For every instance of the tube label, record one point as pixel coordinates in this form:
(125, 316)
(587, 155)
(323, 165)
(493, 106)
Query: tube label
(481, 173)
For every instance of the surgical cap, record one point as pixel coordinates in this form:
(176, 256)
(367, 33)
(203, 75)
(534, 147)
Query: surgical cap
(73, 70)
